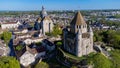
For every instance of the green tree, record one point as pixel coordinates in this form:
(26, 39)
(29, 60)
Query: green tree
(74, 67)
(6, 36)
(9, 62)
(117, 16)
(115, 54)
(112, 38)
(19, 47)
(116, 41)
(59, 44)
(100, 61)
(56, 30)
(97, 36)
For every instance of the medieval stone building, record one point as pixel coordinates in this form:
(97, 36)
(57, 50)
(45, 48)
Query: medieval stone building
(78, 39)
(43, 23)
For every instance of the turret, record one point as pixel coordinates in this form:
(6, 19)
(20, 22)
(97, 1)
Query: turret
(64, 36)
(78, 22)
(79, 43)
(90, 31)
(91, 39)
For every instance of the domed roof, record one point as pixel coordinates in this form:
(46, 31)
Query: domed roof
(43, 12)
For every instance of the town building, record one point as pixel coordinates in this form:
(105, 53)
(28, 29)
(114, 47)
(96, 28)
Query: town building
(44, 23)
(4, 50)
(48, 45)
(78, 38)
(32, 53)
(10, 25)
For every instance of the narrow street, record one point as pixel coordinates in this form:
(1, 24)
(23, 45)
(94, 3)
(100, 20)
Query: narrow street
(12, 52)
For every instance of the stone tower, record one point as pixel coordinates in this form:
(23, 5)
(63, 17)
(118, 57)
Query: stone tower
(78, 39)
(78, 22)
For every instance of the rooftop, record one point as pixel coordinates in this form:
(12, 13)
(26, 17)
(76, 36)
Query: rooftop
(78, 19)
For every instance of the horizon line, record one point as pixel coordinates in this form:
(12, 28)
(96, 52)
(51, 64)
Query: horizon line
(63, 10)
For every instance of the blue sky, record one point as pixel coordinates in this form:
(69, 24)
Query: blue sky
(58, 4)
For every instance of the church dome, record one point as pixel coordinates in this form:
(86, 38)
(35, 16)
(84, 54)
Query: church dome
(43, 12)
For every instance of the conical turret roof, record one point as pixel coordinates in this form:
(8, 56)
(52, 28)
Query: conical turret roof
(78, 19)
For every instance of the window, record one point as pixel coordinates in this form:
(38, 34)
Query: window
(83, 26)
(79, 26)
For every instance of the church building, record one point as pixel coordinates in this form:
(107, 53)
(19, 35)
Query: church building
(78, 38)
(44, 23)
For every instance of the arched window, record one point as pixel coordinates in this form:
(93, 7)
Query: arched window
(79, 26)
(83, 26)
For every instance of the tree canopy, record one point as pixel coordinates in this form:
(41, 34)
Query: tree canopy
(100, 61)
(6, 36)
(59, 44)
(115, 58)
(110, 37)
(56, 30)
(9, 62)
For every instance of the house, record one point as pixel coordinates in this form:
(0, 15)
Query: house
(27, 58)
(10, 25)
(4, 51)
(33, 40)
(48, 45)
(32, 53)
(21, 31)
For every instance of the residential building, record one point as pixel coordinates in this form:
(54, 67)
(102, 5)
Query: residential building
(10, 25)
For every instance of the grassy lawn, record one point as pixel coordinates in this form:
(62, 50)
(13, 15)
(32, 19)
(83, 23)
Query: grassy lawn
(66, 54)
(116, 58)
(96, 59)
(99, 61)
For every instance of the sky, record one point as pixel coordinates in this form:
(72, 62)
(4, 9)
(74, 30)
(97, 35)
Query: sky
(25, 5)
